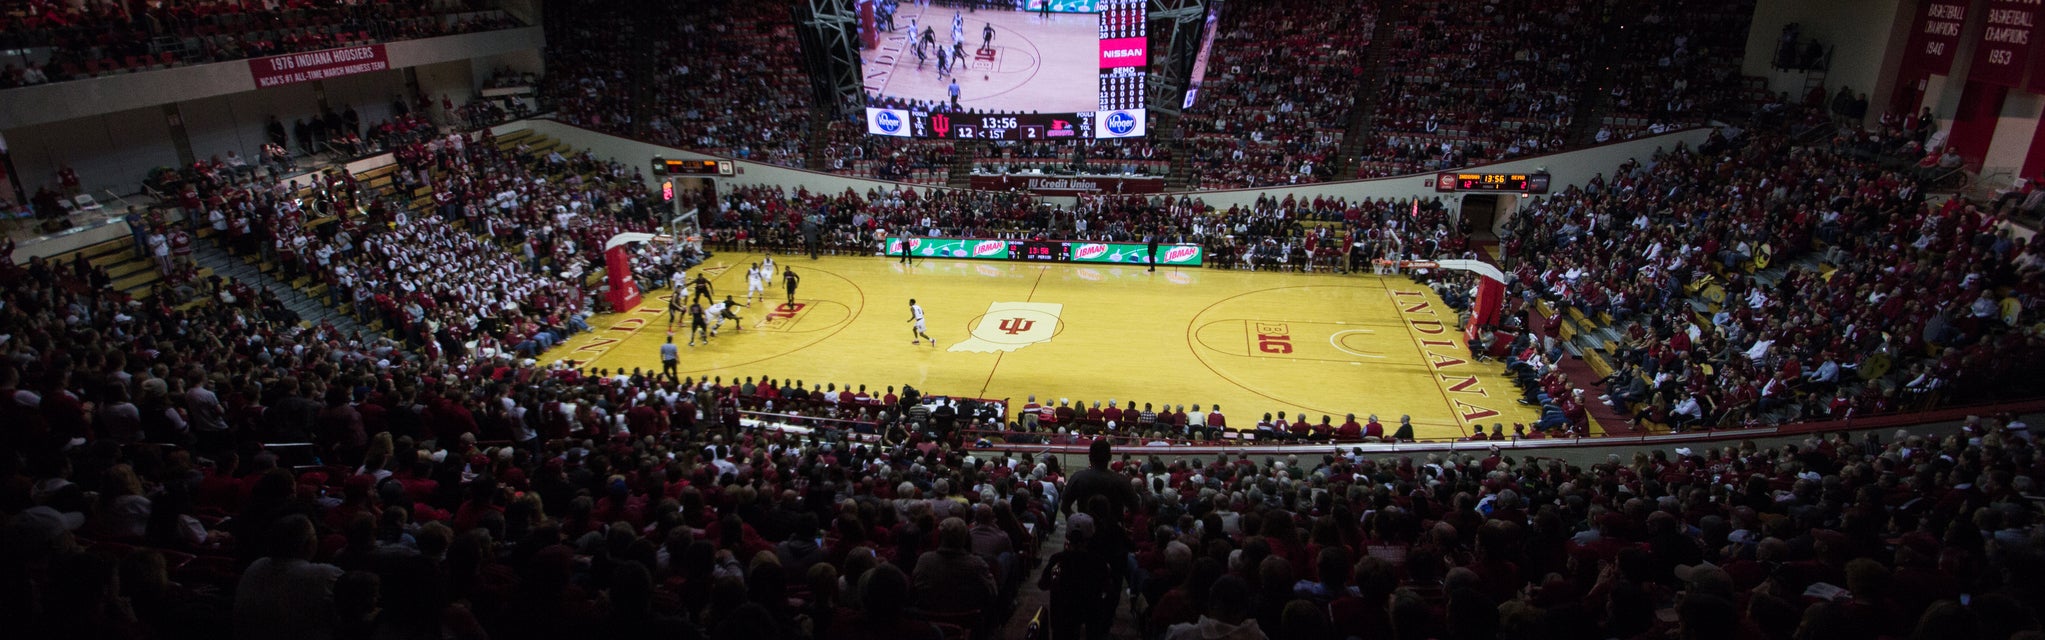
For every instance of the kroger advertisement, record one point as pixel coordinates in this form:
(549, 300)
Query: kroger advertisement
(1131, 253)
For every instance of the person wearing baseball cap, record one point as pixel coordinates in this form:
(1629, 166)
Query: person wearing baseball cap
(1705, 578)
(40, 532)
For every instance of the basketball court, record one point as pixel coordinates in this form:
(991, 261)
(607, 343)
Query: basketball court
(1036, 64)
(1255, 342)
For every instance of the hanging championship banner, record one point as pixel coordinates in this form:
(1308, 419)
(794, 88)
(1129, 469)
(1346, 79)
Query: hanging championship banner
(277, 71)
(2004, 52)
(1935, 36)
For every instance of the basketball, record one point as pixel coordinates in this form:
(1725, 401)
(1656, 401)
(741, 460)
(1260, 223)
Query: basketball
(983, 77)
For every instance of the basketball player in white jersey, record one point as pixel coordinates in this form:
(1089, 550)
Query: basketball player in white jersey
(756, 284)
(722, 311)
(916, 316)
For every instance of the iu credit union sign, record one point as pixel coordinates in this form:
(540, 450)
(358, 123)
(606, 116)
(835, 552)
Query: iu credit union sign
(277, 71)
(1070, 186)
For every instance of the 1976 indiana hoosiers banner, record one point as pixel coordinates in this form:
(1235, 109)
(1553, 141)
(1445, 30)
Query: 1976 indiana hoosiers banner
(277, 71)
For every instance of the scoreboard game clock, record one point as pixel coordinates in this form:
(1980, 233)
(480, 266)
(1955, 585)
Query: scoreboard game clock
(1502, 182)
(720, 168)
(1039, 250)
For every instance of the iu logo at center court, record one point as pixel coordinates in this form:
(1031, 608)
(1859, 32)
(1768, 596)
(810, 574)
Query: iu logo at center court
(1015, 326)
(1008, 326)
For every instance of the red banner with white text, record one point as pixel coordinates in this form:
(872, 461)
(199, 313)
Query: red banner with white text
(1484, 312)
(1935, 36)
(2003, 53)
(277, 71)
(624, 293)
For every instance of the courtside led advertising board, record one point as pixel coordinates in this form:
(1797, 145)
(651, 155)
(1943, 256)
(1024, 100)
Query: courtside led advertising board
(1130, 253)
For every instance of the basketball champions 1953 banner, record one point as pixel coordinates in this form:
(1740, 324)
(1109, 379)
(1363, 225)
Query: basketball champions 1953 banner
(2004, 51)
(277, 71)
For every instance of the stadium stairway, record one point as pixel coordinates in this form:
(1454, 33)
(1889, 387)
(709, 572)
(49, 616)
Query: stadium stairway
(1180, 176)
(818, 140)
(133, 273)
(1546, 322)
(1369, 91)
(1596, 102)
(311, 311)
(962, 165)
(1595, 339)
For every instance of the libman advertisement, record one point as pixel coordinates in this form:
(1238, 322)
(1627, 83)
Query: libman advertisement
(1063, 6)
(1130, 253)
(950, 248)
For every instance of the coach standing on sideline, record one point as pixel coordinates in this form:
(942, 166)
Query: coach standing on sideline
(812, 232)
(1152, 252)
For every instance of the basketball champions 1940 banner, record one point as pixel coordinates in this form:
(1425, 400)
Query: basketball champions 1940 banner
(1935, 36)
(277, 71)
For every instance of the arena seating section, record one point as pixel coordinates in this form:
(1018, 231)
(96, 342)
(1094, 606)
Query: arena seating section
(181, 455)
(726, 80)
(62, 42)
(1280, 83)
(1295, 92)
(1475, 82)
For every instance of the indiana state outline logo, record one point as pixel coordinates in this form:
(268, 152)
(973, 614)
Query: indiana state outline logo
(1008, 326)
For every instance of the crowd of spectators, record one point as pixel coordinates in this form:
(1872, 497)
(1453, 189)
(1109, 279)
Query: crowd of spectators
(1470, 82)
(1127, 157)
(728, 80)
(1321, 234)
(1276, 101)
(1676, 65)
(73, 40)
(765, 217)
(1465, 82)
(473, 497)
(1895, 303)
(493, 499)
(494, 259)
(585, 82)
(848, 150)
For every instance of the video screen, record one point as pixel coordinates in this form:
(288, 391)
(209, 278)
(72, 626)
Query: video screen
(1206, 49)
(1021, 70)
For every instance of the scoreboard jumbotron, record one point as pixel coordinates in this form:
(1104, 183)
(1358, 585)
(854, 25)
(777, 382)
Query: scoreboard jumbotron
(1505, 182)
(722, 168)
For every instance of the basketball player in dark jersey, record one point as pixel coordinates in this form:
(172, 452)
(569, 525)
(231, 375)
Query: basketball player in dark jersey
(788, 276)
